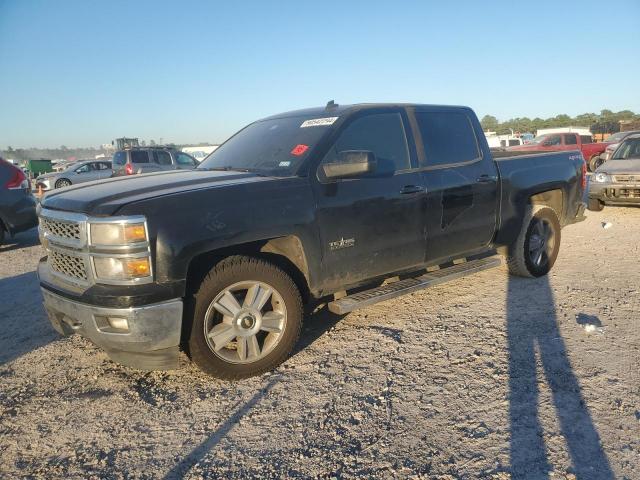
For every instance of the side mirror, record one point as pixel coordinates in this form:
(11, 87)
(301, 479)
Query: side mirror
(351, 163)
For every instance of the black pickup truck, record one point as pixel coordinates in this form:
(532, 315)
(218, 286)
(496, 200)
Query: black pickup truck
(347, 205)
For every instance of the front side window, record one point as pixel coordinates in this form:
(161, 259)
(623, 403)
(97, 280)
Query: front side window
(448, 137)
(84, 168)
(383, 134)
(570, 140)
(161, 157)
(185, 160)
(553, 140)
(139, 156)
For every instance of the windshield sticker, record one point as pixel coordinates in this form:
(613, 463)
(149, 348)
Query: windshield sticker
(285, 164)
(318, 122)
(299, 149)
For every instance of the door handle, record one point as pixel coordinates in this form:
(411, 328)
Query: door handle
(486, 178)
(409, 189)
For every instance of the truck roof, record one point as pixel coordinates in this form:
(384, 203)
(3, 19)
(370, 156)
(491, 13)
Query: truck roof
(338, 110)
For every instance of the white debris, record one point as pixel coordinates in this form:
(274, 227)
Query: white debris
(591, 328)
(606, 225)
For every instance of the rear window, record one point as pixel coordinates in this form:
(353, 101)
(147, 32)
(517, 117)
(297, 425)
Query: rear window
(120, 158)
(586, 139)
(139, 156)
(448, 137)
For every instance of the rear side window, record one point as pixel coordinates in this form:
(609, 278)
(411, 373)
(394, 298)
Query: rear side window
(586, 138)
(161, 157)
(448, 137)
(120, 158)
(570, 140)
(383, 134)
(139, 156)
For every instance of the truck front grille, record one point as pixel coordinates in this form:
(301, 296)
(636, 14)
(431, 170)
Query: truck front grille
(60, 229)
(626, 178)
(68, 265)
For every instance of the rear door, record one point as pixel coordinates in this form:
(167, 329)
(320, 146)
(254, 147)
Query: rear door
(161, 160)
(118, 163)
(461, 182)
(371, 225)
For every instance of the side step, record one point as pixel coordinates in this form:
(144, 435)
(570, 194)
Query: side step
(402, 287)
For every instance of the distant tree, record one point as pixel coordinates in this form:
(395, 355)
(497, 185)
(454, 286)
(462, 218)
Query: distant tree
(143, 143)
(489, 123)
(606, 126)
(152, 142)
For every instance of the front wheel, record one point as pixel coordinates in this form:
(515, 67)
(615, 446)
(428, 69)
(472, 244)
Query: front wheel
(535, 250)
(247, 319)
(595, 205)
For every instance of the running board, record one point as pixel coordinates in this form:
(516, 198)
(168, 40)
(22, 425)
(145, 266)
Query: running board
(402, 287)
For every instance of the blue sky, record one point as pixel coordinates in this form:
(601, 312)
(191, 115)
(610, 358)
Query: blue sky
(82, 73)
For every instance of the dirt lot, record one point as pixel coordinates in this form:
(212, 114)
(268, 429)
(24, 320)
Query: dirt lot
(486, 377)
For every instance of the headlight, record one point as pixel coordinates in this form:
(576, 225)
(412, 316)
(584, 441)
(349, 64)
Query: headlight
(601, 177)
(117, 268)
(118, 233)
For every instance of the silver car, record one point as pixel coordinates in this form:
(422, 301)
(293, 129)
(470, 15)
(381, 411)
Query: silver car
(78, 172)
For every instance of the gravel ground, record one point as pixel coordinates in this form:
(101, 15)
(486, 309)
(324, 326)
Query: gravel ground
(484, 377)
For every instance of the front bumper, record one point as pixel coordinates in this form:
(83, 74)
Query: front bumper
(150, 341)
(615, 193)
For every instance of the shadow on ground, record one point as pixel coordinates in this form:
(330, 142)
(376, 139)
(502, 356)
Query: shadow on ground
(533, 331)
(21, 240)
(23, 322)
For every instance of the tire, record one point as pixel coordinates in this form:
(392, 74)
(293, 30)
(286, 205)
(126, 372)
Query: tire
(2, 233)
(63, 182)
(595, 162)
(524, 259)
(595, 205)
(252, 337)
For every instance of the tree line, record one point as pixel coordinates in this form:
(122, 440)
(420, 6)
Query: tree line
(604, 122)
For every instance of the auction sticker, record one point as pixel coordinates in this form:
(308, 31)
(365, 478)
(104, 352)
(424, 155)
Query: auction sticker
(318, 122)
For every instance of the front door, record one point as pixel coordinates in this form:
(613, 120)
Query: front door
(372, 225)
(461, 182)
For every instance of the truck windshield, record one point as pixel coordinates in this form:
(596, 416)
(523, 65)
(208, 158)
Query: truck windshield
(275, 147)
(629, 149)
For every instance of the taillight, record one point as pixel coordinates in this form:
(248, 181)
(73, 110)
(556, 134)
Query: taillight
(18, 180)
(584, 175)
(128, 169)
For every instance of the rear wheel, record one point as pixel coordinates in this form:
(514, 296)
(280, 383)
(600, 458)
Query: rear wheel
(63, 182)
(247, 319)
(595, 205)
(535, 250)
(1, 234)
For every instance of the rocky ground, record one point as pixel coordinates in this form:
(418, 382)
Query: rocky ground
(485, 377)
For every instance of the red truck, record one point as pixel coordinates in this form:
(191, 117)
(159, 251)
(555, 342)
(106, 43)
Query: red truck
(565, 141)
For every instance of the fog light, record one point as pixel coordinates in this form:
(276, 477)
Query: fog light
(119, 323)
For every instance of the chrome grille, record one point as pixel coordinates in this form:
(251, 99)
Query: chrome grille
(68, 230)
(68, 265)
(626, 178)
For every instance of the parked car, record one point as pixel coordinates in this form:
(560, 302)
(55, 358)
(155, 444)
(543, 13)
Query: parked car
(565, 141)
(78, 172)
(616, 138)
(294, 209)
(150, 159)
(17, 204)
(617, 182)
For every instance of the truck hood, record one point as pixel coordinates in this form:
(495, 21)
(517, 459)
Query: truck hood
(106, 197)
(631, 165)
